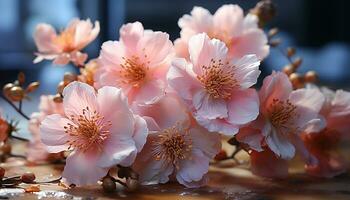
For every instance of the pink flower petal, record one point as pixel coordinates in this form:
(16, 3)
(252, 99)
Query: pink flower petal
(275, 86)
(208, 107)
(140, 132)
(246, 70)
(280, 145)
(61, 59)
(85, 33)
(228, 19)
(53, 133)
(78, 96)
(81, 169)
(218, 125)
(113, 106)
(252, 137)
(194, 169)
(155, 47)
(266, 164)
(117, 151)
(182, 79)
(202, 50)
(111, 55)
(208, 143)
(309, 102)
(243, 106)
(130, 34)
(149, 93)
(43, 36)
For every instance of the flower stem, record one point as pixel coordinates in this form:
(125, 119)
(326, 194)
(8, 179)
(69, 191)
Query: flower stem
(19, 110)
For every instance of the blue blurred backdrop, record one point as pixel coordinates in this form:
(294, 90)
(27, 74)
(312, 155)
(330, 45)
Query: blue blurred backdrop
(319, 30)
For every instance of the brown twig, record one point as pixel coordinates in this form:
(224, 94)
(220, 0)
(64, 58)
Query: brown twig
(19, 110)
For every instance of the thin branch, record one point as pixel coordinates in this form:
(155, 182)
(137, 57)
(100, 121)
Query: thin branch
(19, 138)
(15, 107)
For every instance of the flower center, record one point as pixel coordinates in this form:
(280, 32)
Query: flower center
(133, 70)
(87, 130)
(173, 145)
(65, 40)
(280, 114)
(218, 79)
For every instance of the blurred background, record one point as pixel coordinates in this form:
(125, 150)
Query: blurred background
(318, 29)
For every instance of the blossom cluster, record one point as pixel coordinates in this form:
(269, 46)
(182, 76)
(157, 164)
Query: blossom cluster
(163, 108)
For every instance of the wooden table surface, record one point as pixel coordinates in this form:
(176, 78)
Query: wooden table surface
(228, 180)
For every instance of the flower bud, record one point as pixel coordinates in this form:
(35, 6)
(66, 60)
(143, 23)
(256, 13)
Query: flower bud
(16, 93)
(297, 62)
(21, 78)
(57, 98)
(296, 80)
(60, 87)
(265, 10)
(6, 148)
(6, 89)
(290, 51)
(275, 42)
(273, 32)
(108, 184)
(222, 155)
(32, 87)
(310, 77)
(68, 78)
(28, 177)
(288, 69)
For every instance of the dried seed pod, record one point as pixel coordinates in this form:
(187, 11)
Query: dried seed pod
(297, 62)
(290, 51)
(16, 93)
(21, 78)
(275, 42)
(60, 87)
(310, 77)
(57, 98)
(32, 87)
(108, 184)
(2, 173)
(28, 177)
(132, 184)
(273, 32)
(68, 78)
(6, 89)
(288, 69)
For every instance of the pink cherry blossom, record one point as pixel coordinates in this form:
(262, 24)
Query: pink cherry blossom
(98, 129)
(240, 33)
(176, 148)
(37, 151)
(216, 88)
(137, 63)
(67, 45)
(323, 141)
(284, 114)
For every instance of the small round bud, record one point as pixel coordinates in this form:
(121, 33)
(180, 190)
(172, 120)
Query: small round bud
(273, 32)
(57, 98)
(132, 184)
(310, 77)
(265, 10)
(108, 185)
(275, 42)
(296, 80)
(68, 78)
(222, 155)
(6, 89)
(297, 62)
(2, 173)
(16, 93)
(290, 51)
(32, 87)
(288, 69)
(28, 177)
(21, 78)
(60, 87)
